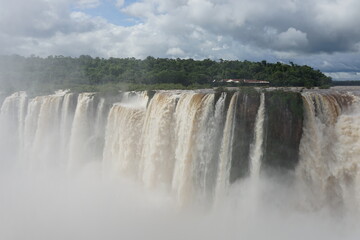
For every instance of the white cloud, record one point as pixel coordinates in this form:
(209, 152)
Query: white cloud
(305, 32)
(87, 3)
(292, 39)
(120, 3)
(175, 52)
(140, 9)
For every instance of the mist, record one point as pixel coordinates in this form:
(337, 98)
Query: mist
(50, 206)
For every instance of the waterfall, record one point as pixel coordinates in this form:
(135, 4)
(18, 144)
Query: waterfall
(67, 116)
(189, 111)
(13, 110)
(122, 136)
(47, 133)
(223, 175)
(209, 141)
(256, 151)
(170, 144)
(99, 118)
(122, 141)
(158, 141)
(80, 150)
(236, 164)
(12, 116)
(31, 125)
(253, 189)
(329, 151)
(194, 144)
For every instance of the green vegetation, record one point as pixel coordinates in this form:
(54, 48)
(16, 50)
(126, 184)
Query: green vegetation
(109, 88)
(346, 83)
(291, 101)
(248, 90)
(86, 73)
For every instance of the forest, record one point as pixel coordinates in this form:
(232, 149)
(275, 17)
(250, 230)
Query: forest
(88, 73)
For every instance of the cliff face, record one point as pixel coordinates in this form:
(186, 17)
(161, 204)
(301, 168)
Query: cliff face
(283, 129)
(246, 111)
(282, 125)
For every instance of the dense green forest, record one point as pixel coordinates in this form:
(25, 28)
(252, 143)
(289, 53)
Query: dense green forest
(346, 83)
(17, 72)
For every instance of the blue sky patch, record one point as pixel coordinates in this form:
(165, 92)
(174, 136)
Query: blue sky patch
(109, 11)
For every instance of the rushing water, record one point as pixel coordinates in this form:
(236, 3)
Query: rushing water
(225, 153)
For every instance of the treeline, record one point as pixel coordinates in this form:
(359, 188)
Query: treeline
(346, 83)
(26, 72)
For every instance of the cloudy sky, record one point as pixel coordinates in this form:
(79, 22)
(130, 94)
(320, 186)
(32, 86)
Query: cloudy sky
(324, 34)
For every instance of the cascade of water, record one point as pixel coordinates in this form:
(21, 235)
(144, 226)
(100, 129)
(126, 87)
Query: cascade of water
(13, 109)
(135, 99)
(180, 138)
(22, 114)
(202, 152)
(122, 146)
(99, 118)
(189, 112)
(223, 175)
(46, 111)
(12, 116)
(208, 143)
(183, 141)
(329, 151)
(346, 170)
(80, 150)
(97, 138)
(243, 134)
(31, 124)
(256, 151)
(67, 116)
(252, 189)
(158, 148)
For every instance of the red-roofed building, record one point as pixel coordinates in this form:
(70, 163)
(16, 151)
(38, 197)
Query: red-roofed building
(244, 81)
